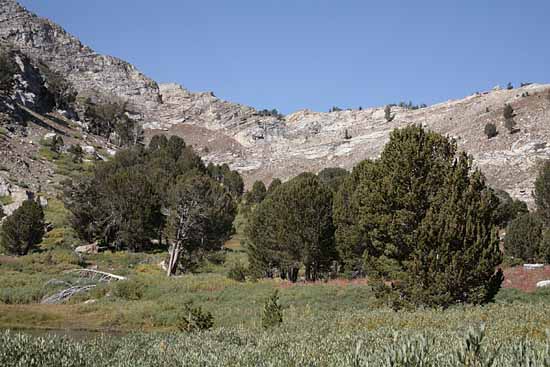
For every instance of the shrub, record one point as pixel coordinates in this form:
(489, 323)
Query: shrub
(273, 312)
(387, 113)
(508, 209)
(237, 272)
(130, 290)
(508, 111)
(194, 319)
(24, 229)
(490, 130)
(216, 257)
(77, 153)
(510, 125)
(523, 237)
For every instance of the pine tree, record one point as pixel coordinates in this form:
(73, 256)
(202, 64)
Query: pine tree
(542, 192)
(412, 214)
(23, 229)
(523, 238)
(293, 227)
(276, 182)
(458, 247)
(257, 194)
(490, 130)
(387, 113)
(272, 314)
(333, 177)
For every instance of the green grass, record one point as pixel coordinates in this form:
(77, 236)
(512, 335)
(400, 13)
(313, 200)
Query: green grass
(514, 337)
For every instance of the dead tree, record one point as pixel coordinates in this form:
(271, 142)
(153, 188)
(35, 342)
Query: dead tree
(201, 217)
(188, 218)
(88, 275)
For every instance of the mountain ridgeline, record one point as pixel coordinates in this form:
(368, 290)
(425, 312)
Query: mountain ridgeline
(263, 144)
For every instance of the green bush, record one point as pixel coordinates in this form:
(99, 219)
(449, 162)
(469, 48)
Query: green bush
(130, 290)
(490, 130)
(23, 229)
(194, 319)
(237, 272)
(272, 314)
(523, 238)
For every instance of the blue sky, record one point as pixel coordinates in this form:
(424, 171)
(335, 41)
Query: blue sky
(316, 54)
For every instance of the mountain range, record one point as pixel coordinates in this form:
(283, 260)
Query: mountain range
(261, 145)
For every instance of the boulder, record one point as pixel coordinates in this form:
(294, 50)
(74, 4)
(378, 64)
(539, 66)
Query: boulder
(49, 138)
(89, 150)
(533, 266)
(92, 248)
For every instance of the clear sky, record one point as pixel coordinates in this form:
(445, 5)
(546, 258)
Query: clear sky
(316, 54)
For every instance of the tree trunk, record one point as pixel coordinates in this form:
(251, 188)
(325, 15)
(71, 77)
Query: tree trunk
(174, 258)
(293, 275)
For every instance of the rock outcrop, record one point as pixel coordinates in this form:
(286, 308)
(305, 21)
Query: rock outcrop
(264, 146)
(88, 71)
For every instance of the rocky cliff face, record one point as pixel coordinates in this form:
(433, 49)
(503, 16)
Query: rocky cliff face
(89, 72)
(262, 146)
(266, 147)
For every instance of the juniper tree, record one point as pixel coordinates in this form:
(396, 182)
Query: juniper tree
(293, 227)
(333, 177)
(276, 182)
(457, 247)
(409, 205)
(490, 130)
(542, 192)
(272, 314)
(508, 209)
(523, 238)
(23, 229)
(257, 194)
(387, 113)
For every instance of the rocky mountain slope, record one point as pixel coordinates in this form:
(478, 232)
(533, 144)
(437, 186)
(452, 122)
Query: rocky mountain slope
(263, 145)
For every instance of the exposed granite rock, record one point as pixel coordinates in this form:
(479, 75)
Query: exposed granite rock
(264, 147)
(89, 71)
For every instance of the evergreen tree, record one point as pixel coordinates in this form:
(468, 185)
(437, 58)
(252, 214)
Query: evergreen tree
(408, 206)
(542, 192)
(490, 130)
(387, 113)
(523, 238)
(257, 194)
(276, 182)
(508, 209)
(508, 112)
(293, 227)
(23, 229)
(134, 209)
(333, 177)
(457, 249)
(272, 314)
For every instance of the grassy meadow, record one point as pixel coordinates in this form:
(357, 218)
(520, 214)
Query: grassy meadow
(327, 323)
